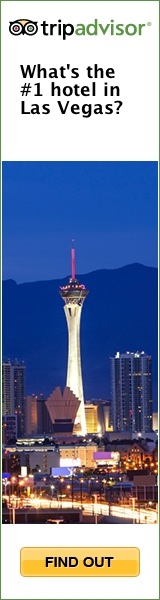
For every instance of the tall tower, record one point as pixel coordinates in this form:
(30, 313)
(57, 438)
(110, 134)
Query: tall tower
(74, 294)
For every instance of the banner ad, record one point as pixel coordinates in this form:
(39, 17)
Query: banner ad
(79, 139)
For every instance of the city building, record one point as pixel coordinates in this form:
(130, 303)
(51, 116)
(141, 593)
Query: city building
(145, 488)
(74, 294)
(31, 415)
(13, 392)
(9, 428)
(155, 421)
(131, 392)
(42, 454)
(106, 459)
(122, 435)
(37, 418)
(134, 454)
(83, 453)
(91, 413)
(102, 415)
(62, 409)
(37, 455)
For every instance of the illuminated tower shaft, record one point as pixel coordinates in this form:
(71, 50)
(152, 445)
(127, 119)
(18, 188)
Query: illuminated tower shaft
(74, 372)
(74, 295)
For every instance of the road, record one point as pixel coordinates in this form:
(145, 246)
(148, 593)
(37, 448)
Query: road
(140, 515)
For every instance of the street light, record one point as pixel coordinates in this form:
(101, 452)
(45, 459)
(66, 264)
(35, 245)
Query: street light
(68, 488)
(52, 488)
(104, 481)
(72, 489)
(5, 482)
(95, 508)
(13, 512)
(109, 484)
(89, 488)
(57, 521)
(133, 509)
(61, 480)
(81, 482)
(21, 483)
(13, 480)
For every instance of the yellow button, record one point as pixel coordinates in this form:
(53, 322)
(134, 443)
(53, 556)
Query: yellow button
(80, 562)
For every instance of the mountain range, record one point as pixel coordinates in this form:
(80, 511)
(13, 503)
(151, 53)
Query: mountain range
(119, 314)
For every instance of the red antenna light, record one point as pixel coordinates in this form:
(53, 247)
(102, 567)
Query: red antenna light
(73, 260)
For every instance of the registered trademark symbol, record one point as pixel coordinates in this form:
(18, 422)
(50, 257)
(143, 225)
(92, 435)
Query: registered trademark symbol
(149, 24)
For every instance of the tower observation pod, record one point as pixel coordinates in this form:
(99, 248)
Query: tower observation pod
(74, 294)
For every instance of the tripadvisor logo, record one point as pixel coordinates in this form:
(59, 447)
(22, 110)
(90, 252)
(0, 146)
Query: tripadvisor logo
(68, 29)
(95, 28)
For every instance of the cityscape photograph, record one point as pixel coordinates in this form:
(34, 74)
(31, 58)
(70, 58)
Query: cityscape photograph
(80, 343)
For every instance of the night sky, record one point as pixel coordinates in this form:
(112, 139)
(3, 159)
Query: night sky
(110, 209)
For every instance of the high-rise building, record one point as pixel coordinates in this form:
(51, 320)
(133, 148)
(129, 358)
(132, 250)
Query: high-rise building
(37, 418)
(31, 418)
(13, 391)
(131, 392)
(74, 294)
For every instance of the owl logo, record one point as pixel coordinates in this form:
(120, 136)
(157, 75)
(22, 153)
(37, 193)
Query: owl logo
(23, 26)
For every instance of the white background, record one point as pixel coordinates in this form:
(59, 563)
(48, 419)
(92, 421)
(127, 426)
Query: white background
(145, 537)
(131, 135)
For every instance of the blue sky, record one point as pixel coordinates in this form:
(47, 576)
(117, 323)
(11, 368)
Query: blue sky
(109, 208)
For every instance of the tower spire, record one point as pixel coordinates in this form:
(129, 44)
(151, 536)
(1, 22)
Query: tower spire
(73, 260)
